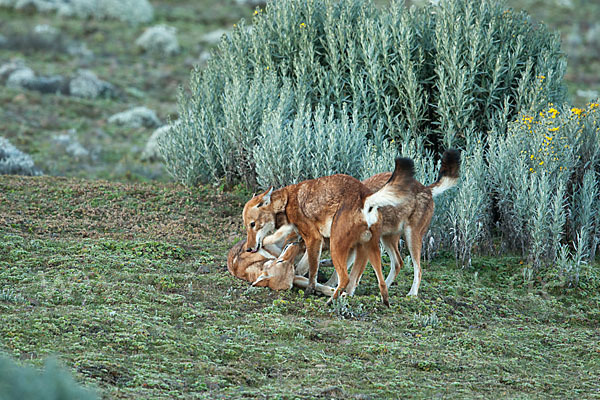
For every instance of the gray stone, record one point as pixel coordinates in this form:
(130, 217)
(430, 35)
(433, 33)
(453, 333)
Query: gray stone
(15, 162)
(159, 39)
(136, 118)
(88, 86)
(151, 151)
(214, 37)
(20, 78)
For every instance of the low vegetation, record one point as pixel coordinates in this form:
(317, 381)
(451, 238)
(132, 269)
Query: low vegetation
(127, 285)
(125, 282)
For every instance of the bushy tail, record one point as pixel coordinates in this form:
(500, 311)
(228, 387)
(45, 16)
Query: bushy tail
(392, 193)
(449, 172)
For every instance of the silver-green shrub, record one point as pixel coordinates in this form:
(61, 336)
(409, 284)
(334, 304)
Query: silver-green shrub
(469, 213)
(53, 383)
(544, 179)
(433, 75)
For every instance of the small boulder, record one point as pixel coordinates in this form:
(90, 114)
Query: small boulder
(136, 118)
(71, 145)
(7, 69)
(87, 85)
(20, 78)
(151, 151)
(15, 162)
(251, 3)
(214, 37)
(159, 39)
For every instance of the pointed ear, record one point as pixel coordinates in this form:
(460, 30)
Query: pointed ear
(266, 198)
(261, 278)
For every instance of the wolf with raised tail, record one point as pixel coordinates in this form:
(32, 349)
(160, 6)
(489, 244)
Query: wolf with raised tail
(338, 207)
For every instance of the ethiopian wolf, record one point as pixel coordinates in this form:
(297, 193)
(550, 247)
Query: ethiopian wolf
(338, 207)
(412, 217)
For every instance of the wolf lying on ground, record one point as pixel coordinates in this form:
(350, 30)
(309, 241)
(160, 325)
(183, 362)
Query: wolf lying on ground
(275, 272)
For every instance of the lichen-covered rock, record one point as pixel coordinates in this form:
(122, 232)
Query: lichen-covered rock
(136, 118)
(251, 3)
(87, 85)
(20, 78)
(7, 69)
(151, 151)
(71, 145)
(46, 32)
(160, 39)
(15, 162)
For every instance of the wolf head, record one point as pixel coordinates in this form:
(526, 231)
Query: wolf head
(260, 219)
(279, 274)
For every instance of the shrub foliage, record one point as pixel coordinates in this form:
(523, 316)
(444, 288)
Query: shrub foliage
(437, 75)
(53, 383)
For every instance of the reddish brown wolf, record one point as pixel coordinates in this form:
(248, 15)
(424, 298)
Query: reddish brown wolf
(276, 273)
(412, 217)
(338, 207)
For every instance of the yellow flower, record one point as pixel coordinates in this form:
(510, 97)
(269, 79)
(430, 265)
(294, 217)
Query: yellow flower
(541, 163)
(303, 25)
(576, 111)
(552, 130)
(541, 77)
(255, 12)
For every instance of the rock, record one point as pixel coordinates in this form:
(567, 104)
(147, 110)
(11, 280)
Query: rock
(136, 118)
(214, 37)
(332, 392)
(159, 39)
(88, 86)
(151, 151)
(79, 49)
(204, 57)
(15, 162)
(10, 67)
(46, 32)
(20, 78)
(203, 269)
(588, 94)
(592, 36)
(48, 84)
(71, 145)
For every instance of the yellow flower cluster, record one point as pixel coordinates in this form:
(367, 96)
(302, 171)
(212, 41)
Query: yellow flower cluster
(546, 149)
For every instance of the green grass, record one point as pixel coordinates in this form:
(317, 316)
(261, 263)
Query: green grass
(126, 282)
(127, 285)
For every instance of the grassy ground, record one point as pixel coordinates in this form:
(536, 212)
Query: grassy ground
(30, 120)
(127, 285)
(126, 282)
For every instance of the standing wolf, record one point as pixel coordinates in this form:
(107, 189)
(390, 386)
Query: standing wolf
(338, 207)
